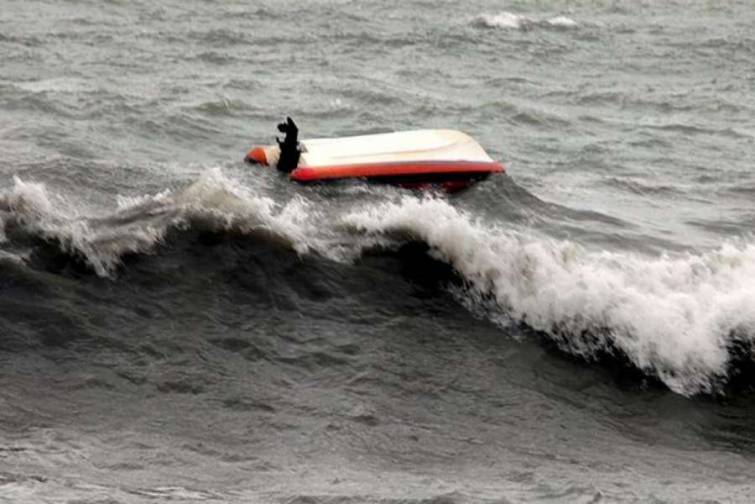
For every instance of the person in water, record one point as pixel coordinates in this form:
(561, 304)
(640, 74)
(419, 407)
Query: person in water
(289, 146)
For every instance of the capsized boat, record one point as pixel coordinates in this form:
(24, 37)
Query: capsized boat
(413, 159)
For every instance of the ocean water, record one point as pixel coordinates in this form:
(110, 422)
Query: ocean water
(177, 326)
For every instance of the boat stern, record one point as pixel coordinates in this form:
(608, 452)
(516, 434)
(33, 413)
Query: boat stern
(266, 155)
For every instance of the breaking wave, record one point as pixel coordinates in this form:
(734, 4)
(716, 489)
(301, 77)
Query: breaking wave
(514, 21)
(139, 224)
(680, 318)
(677, 318)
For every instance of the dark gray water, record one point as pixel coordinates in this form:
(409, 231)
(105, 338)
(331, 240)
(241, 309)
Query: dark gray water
(176, 326)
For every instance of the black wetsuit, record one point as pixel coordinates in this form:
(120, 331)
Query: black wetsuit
(289, 147)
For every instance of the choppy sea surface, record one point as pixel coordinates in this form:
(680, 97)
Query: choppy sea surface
(176, 326)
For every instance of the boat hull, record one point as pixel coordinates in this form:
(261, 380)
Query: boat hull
(418, 159)
(449, 175)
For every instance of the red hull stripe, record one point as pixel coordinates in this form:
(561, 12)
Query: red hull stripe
(393, 169)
